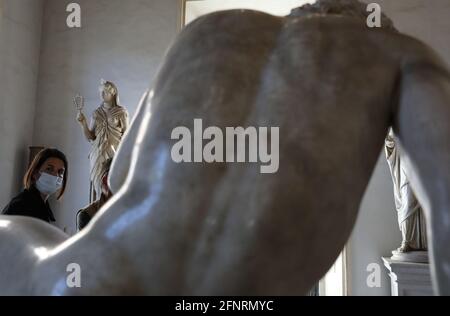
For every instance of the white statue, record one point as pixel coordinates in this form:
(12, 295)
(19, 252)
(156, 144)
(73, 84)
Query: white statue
(108, 125)
(410, 214)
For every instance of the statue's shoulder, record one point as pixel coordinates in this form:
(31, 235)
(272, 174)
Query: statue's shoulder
(415, 51)
(410, 52)
(231, 16)
(97, 112)
(228, 22)
(120, 110)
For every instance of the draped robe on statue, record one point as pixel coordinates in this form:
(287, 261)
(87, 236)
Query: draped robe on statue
(410, 214)
(109, 126)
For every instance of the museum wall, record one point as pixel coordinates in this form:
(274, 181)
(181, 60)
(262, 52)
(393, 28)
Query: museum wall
(376, 233)
(20, 34)
(120, 41)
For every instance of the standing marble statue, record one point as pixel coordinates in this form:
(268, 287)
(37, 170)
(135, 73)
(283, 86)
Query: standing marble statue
(411, 218)
(109, 124)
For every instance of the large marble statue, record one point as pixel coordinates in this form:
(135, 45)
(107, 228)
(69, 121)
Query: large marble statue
(331, 85)
(411, 218)
(108, 125)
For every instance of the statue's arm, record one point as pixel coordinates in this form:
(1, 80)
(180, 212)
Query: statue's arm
(422, 124)
(91, 129)
(89, 132)
(125, 122)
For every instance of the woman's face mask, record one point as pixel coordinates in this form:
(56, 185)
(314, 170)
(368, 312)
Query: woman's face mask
(48, 184)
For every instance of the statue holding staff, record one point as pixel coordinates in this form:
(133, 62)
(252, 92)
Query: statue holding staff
(109, 123)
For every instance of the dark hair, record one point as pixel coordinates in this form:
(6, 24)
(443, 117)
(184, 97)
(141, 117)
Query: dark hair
(37, 163)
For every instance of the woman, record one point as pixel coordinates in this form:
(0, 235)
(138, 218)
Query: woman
(47, 175)
(109, 124)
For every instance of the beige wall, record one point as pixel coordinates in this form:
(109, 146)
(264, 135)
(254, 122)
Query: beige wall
(20, 34)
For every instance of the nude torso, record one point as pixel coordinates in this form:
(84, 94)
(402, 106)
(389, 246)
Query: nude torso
(227, 229)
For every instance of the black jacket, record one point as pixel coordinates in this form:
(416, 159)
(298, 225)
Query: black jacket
(30, 203)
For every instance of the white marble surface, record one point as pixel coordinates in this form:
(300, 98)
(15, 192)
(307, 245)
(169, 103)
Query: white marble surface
(20, 33)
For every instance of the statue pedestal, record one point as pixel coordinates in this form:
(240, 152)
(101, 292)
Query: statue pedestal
(409, 278)
(412, 256)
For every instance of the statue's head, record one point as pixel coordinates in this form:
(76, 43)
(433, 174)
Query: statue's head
(109, 92)
(353, 8)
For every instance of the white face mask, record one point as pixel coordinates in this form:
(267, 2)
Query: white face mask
(48, 184)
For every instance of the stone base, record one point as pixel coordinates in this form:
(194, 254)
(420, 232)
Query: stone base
(409, 278)
(412, 256)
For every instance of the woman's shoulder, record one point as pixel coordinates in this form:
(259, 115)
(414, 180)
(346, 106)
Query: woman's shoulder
(18, 204)
(24, 195)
